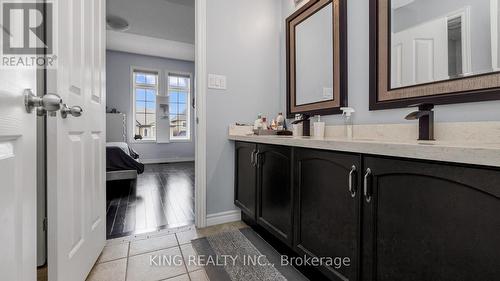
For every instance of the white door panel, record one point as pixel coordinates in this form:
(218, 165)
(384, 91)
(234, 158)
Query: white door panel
(424, 61)
(420, 54)
(17, 177)
(76, 145)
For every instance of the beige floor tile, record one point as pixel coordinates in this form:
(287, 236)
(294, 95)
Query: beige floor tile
(187, 252)
(152, 244)
(185, 237)
(113, 252)
(155, 266)
(109, 271)
(199, 275)
(183, 277)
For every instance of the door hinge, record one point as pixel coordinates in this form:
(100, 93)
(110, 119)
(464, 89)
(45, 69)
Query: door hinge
(44, 225)
(197, 120)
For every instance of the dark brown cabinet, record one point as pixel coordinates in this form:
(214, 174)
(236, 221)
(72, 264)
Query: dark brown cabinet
(274, 191)
(327, 212)
(430, 221)
(395, 219)
(263, 188)
(245, 191)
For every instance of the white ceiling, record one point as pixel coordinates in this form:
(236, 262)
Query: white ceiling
(172, 20)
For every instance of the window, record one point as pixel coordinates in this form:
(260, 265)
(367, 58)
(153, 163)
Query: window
(145, 91)
(179, 91)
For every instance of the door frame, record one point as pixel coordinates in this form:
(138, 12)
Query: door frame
(200, 113)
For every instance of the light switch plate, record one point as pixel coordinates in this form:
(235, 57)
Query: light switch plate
(217, 82)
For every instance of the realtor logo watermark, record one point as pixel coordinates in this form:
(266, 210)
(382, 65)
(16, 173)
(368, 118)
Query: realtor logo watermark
(28, 34)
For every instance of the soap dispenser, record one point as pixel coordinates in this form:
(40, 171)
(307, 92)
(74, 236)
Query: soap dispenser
(348, 124)
(319, 128)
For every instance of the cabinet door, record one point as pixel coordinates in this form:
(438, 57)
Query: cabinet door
(327, 213)
(245, 178)
(274, 191)
(429, 221)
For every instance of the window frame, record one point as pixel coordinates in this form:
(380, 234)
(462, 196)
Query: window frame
(189, 103)
(133, 84)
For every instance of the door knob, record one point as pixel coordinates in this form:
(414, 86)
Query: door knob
(49, 102)
(75, 111)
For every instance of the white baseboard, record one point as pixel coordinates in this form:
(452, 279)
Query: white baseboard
(167, 160)
(223, 217)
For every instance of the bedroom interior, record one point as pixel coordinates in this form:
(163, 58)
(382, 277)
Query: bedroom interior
(149, 120)
(223, 140)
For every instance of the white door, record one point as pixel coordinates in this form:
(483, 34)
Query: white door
(420, 54)
(17, 177)
(76, 145)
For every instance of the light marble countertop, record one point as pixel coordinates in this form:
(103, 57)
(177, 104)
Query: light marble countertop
(486, 154)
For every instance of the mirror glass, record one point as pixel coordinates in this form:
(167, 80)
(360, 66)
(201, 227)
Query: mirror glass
(314, 58)
(442, 40)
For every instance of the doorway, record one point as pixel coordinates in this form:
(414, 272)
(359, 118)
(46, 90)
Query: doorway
(151, 123)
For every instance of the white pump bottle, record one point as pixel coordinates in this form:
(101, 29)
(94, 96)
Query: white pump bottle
(348, 124)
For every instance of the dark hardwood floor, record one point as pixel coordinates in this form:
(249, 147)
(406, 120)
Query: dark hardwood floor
(162, 197)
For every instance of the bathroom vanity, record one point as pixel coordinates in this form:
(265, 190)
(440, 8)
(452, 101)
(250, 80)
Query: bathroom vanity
(403, 210)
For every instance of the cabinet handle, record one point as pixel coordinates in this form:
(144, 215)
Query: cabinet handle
(257, 159)
(252, 158)
(368, 174)
(352, 174)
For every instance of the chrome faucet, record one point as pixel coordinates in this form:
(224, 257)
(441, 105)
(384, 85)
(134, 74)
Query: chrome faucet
(425, 117)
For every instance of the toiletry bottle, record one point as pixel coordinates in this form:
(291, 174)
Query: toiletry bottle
(319, 128)
(348, 124)
(274, 126)
(257, 125)
(280, 121)
(265, 126)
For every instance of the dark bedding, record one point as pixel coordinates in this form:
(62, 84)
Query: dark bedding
(118, 160)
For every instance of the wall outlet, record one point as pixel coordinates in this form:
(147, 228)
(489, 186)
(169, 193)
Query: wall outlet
(217, 82)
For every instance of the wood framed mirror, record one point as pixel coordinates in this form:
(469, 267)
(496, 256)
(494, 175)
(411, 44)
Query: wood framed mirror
(316, 44)
(438, 52)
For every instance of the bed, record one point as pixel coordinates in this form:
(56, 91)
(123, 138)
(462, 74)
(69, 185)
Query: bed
(121, 160)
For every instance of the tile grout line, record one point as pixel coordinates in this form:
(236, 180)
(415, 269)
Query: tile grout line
(182, 255)
(126, 267)
(152, 251)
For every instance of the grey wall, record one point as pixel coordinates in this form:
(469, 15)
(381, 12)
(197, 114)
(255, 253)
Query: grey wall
(422, 11)
(358, 82)
(243, 43)
(246, 42)
(119, 96)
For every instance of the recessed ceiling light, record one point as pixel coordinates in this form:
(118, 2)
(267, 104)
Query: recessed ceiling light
(117, 23)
